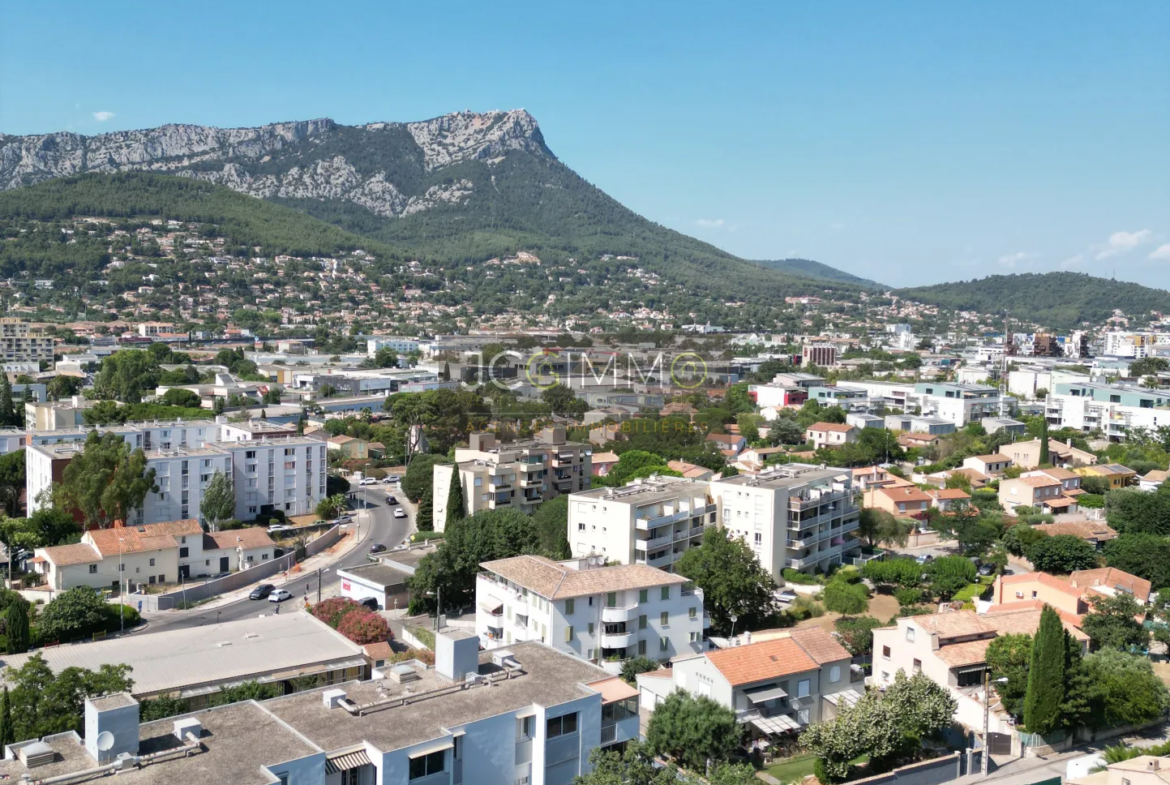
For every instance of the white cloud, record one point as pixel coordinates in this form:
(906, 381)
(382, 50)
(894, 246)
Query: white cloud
(101, 117)
(1012, 259)
(1122, 242)
(710, 223)
(1161, 252)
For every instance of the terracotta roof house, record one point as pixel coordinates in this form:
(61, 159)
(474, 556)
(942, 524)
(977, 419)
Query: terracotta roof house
(904, 501)
(830, 434)
(947, 499)
(1093, 532)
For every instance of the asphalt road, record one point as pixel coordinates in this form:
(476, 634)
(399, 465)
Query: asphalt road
(376, 523)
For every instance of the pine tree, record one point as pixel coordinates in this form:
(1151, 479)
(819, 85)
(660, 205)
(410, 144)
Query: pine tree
(455, 498)
(446, 374)
(7, 734)
(1046, 675)
(16, 622)
(426, 517)
(7, 409)
(1044, 456)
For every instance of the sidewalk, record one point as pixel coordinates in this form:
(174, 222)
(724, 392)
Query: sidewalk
(1025, 771)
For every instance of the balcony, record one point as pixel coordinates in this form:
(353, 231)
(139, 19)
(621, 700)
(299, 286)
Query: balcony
(616, 640)
(660, 561)
(657, 542)
(800, 503)
(617, 615)
(797, 564)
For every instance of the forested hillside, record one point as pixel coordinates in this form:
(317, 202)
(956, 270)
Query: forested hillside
(811, 269)
(1055, 300)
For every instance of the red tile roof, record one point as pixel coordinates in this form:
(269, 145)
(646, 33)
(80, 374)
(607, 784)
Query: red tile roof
(760, 661)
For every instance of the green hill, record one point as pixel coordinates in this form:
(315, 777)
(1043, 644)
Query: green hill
(810, 269)
(1054, 300)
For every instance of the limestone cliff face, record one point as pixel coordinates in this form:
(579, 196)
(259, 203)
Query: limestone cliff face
(310, 159)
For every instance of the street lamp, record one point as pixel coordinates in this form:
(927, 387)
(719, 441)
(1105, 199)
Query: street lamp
(986, 761)
(319, 571)
(438, 595)
(121, 590)
(734, 619)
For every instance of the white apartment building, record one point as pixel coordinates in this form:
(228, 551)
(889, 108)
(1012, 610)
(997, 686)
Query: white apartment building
(651, 521)
(602, 614)
(19, 344)
(11, 440)
(527, 715)
(285, 474)
(156, 435)
(794, 515)
(517, 474)
(397, 343)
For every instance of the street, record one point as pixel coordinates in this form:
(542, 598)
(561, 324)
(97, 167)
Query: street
(376, 524)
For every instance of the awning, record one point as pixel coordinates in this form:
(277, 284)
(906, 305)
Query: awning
(346, 761)
(446, 744)
(776, 725)
(761, 694)
(972, 668)
(844, 698)
(492, 606)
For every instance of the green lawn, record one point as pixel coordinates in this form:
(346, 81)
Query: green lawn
(793, 769)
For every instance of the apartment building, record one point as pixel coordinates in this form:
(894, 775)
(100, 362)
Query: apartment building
(400, 344)
(775, 687)
(795, 515)
(651, 521)
(56, 415)
(12, 440)
(19, 344)
(830, 434)
(284, 474)
(910, 423)
(529, 714)
(517, 474)
(1112, 409)
(602, 614)
(962, 404)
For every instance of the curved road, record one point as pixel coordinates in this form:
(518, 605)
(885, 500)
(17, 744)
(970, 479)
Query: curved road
(376, 525)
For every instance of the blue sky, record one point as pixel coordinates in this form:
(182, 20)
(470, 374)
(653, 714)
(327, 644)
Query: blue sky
(909, 142)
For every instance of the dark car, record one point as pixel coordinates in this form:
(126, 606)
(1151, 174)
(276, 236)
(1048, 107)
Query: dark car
(377, 547)
(986, 569)
(371, 603)
(261, 591)
(391, 500)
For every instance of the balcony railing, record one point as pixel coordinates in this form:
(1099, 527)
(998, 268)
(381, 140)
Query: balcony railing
(608, 734)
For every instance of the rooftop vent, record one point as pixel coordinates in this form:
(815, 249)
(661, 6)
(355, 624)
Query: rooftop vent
(331, 699)
(189, 725)
(504, 658)
(37, 754)
(403, 673)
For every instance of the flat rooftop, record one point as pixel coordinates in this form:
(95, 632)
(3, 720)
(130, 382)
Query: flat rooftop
(787, 476)
(548, 678)
(378, 572)
(237, 740)
(647, 491)
(212, 654)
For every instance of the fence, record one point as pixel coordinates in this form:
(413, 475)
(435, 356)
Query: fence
(237, 580)
(929, 772)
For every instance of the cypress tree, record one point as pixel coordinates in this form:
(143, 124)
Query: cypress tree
(7, 734)
(1044, 456)
(455, 497)
(7, 409)
(1046, 675)
(16, 622)
(426, 516)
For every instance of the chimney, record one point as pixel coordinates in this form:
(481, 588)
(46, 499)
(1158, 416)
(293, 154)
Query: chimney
(1154, 764)
(111, 726)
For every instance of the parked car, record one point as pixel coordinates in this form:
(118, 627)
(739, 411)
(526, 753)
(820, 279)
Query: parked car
(377, 547)
(261, 591)
(924, 558)
(786, 595)
(371, 603)
(399, 512)
(278, 528)
(343, 519)
(368, 481)
(986, 569)
(393, 478)
(280, 595)
(389, 478)
(390, 499)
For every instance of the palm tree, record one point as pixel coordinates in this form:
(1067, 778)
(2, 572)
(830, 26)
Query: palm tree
(339, 503)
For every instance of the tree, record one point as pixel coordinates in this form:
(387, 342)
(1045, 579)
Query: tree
(876, 526)
(552, 526)
(364, 627)
(1062, 554)
(1020, 538)
(1132, 511)
(484, 536)
(632, 766)
(635, 665)
(177, 396)
(420, 475)
(125, 375)
(1008, 657)
(384, 358)
(732, 580)
(1124, 689)
(8, 415)
(16, 627)
(1046, 675)
(219, 499)
(692, 730)
(76, 613)
(1114, 622)
(106, 481)
(162, 707)
(455, 503)
(248, 691)
(563, 401)
(1144, 555)
(272, 395)
(61, 387)
(425, 518)
(7, 736)
(1045, 458)
(44, 703)
(848, 599)
(12, 481)
(949, 574)
(856, 633)
(906, 573)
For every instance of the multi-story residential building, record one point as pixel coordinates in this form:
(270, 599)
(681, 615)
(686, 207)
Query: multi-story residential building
(517, 474)
(793, 515)
(962, 403)
(775, 687)
(833, 395)
(399, 344)
(770, 396)
(155, 435)
(830, 434)
(285, 474)
(1039, 491)
(1112, 409)
(900, 500)
(602, 614)
(19, 344)
(910, 423)
(529, 714)
(651, 521)
(824, 355)
(56, 415)
(11, 440)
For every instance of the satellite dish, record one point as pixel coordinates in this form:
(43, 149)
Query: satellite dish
(105, 741)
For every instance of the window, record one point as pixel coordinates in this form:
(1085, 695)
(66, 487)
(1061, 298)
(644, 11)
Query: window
(641, 648)
(121, 568)
(561, 726)
(885, 652)
(664, 619)
(282, 778)
(569, 634)
(693, 613)
(425, 766)
(643, 595)
(694, 637)
(611, 600)
(152, 562)
(524, 728)
(184, 553)
(910, 631)
(569, 606)
(642, 622)
(666, 592)
(917, 666)
(802, 688)
(663, 643)
(835, 673)
(92, 569)
(590, 628)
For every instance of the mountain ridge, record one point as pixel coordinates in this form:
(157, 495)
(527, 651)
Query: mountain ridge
(813, 269)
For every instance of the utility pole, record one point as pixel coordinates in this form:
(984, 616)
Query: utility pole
(985, 760)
